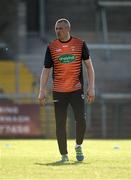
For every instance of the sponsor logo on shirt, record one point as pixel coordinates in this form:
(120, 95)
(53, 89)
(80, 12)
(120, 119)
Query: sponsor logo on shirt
(78, 85)
(66, 58)
(65, 46)
(73, 48)
(58, 50)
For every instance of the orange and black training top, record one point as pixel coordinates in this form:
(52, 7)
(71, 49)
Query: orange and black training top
(66, 60)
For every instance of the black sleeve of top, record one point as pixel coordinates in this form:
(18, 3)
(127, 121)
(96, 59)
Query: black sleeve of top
(48, 63)
(85, 52)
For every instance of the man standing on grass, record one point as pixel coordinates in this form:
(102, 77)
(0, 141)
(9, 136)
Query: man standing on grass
(65, 55)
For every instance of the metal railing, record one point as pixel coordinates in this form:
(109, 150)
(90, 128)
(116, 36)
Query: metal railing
(120, 100)
(103, 6)
(109, 46)
(115, 98)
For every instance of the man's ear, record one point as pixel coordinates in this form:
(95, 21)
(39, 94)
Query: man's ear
(69, 29)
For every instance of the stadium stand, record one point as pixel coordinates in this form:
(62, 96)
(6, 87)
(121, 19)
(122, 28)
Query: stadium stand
(106, 29)
(10, 72)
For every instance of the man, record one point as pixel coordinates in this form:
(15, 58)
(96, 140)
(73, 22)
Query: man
(65, 55)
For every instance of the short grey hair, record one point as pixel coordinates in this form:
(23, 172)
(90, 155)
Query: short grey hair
(63, 20)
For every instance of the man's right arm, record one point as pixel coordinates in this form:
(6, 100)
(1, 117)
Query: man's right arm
(48, 63)
(43, 84)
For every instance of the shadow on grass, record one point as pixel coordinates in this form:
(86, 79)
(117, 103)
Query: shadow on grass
(57, 163)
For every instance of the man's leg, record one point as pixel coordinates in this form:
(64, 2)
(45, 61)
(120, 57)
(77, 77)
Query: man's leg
(61, 104)
(77, 102)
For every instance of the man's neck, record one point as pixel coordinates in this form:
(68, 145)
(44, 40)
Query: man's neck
(67, 38)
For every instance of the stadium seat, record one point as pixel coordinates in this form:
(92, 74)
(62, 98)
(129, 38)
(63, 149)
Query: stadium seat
(15, 77)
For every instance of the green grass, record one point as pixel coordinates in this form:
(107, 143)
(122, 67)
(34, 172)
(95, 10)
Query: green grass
(35, 160)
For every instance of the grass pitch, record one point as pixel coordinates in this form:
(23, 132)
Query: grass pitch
(36, 160)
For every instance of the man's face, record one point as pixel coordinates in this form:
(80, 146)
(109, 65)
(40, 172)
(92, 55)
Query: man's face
(61, 30)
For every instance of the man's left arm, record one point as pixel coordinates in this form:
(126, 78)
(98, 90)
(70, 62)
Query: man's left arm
(91, 80)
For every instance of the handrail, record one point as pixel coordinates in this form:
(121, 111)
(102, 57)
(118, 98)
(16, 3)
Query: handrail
(110, 46)
(114, 96)
(18, 95)
(114, 3)
(34, 95)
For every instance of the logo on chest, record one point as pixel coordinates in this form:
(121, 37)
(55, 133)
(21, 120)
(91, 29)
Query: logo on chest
(67, 58)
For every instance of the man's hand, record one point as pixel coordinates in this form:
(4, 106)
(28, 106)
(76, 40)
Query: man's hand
(90, 95)
(41, 97)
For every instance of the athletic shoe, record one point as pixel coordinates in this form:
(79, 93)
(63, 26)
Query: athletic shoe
(79, 154)
(64, 159)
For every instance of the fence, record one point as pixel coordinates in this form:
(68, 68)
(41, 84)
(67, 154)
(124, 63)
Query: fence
(108, 117)
(121, 116)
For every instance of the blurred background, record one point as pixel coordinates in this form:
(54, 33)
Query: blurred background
(26, 27)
